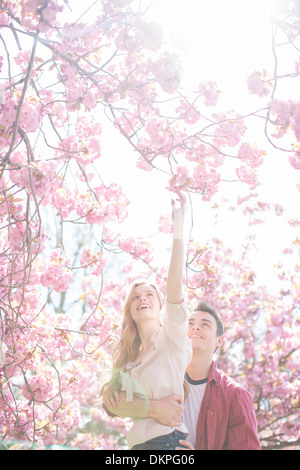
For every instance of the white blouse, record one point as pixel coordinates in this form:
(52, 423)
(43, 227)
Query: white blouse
(161, 372)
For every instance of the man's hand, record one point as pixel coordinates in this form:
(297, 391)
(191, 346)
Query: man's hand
(167, 411)
(110, 397)
(187, 444)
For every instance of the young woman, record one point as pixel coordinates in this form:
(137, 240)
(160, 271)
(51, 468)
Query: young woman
(154, 350)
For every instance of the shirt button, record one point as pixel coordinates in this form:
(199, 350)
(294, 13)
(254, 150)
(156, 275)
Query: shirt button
(167, 444)
(212, 413)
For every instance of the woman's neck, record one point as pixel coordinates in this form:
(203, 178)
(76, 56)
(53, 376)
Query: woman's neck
(146, 331)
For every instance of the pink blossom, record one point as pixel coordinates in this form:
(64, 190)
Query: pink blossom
(205, 181)
(295, 160)
(296, 120)
(30, 116)
(50, 12)
(180, 180)
(16, 236)
(294, 222)
(136, 249)
(86, 146)
(110, 205)
(167, 72)
(129, 37)
(32, 16)
(215, 159)
(196, 152)
(247, 176)
(241, 200)
(11, 208)
(279, 210)
(38, 388)
(56, 274)
(189, 112)
(252, 156)
(127, 122)
(210, 92)
(160, 136)
(229, 130)
(64, 200)
(38, 177)
(95, 261)
(165, 224)
(258, 83)
(143, 164)
(4, 19)
(9, 111)
(22, 59)
(29, 15)
(281, 111)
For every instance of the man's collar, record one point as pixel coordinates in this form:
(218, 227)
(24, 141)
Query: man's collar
(214, 374)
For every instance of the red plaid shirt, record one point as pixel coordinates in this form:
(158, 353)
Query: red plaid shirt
(227, 418)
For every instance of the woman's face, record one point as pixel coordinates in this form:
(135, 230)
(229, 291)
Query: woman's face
(145, 303)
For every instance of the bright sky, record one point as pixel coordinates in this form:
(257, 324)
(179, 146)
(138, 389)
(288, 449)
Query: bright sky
(220, 40)
(223, 41)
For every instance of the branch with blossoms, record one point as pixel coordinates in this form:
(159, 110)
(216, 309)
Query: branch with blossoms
(282, 118)
(60, 302)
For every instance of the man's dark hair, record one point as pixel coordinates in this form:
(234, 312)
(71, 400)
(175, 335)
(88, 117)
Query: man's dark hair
(205, 307)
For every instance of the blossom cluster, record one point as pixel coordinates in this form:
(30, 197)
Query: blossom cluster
(95, 261)
(259, 83)
(201, 271)
(284, 115)
(138, 249)
(55, 273)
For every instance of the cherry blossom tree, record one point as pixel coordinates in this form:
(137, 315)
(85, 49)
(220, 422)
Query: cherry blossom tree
(69, 78)
(260, 348)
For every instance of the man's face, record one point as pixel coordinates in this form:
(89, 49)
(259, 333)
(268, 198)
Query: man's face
(203, 332)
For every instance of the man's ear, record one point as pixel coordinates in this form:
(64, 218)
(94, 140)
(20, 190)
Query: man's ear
(219, 343)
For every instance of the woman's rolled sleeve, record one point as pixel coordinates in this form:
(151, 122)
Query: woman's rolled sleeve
(175, 323)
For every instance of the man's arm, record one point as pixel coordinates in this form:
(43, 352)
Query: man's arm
(166, 411)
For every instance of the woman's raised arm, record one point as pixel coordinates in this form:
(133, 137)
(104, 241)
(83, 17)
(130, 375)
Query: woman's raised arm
(175, 274)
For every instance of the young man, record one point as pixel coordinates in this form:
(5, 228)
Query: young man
(218, 412)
